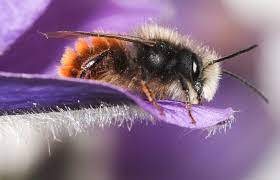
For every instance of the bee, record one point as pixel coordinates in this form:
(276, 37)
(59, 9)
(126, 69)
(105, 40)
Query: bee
(155, 62)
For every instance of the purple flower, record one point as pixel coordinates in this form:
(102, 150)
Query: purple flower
(50, 97)
(147, 152)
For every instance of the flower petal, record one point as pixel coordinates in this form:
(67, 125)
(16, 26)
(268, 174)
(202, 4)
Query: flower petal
(16, 17)
(176, 113)
(22, 93)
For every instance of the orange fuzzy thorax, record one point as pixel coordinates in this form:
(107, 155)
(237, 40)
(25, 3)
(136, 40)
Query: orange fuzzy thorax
(72, 60)
(100, 44)
(69, 63)
(82, 47)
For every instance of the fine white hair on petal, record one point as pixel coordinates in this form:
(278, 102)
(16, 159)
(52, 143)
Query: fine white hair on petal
(54, 125)
(221, 127)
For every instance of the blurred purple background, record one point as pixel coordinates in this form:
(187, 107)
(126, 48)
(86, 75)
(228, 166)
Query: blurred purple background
(149, 151)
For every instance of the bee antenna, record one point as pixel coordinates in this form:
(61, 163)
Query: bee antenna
(234, 54)
(246, 83)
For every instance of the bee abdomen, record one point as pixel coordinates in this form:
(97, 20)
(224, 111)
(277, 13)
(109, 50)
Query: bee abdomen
(73, 59)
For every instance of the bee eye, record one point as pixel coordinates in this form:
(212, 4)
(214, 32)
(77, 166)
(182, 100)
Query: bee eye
(195, 68)
(188, 65)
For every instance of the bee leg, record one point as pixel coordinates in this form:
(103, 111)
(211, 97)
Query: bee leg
(151, 97)
(189, 108)
(188, 100)
(90, 63)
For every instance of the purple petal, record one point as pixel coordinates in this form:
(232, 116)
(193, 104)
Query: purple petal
(176, 113)
(21, 93)
(16, 17)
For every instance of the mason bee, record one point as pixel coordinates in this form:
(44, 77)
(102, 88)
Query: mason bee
(154, 61)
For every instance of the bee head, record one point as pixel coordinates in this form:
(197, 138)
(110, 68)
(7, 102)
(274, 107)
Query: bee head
(178, 63)
(174, 56)
(201, 81)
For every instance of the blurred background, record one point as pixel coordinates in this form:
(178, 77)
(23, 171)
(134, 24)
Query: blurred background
(250, 150)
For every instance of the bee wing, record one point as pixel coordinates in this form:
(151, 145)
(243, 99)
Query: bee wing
(77, 34)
